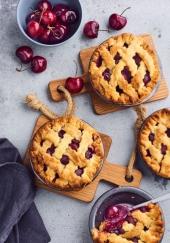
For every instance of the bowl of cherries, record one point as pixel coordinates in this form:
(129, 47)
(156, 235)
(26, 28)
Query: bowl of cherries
(49, 22)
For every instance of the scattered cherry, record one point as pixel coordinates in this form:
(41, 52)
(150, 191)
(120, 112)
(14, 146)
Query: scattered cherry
(58, 33)
(48, 18)
(68, 17)
(91, 29)
(33, 29)
(25, 54)
(117, 21)
(38, 64)
(74, 85)
(44, 5)
(59, 8)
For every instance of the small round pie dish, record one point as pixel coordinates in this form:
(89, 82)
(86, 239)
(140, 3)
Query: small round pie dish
(154, 142)
(66, 153)
(143, 225)
(125, 70)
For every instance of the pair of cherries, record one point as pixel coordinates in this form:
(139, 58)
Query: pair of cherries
(50, 24)
(26, 56)
(116, 22)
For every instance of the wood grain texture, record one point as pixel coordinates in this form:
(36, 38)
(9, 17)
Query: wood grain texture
(99, 105)
(111, 173)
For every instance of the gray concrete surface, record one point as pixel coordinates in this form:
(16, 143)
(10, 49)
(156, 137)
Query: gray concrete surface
(67, 219)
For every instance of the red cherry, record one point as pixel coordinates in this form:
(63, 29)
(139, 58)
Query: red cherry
(91, 29)
(68, 17)
(117, 21)
(38, 64)
(59, 8)
(44, 5)
(33, 16)
(48, 18)
(25, 54)
(58, 33)
(74, 85)
(33, 29)
(44, 37)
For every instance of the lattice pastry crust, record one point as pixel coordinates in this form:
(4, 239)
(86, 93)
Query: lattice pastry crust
(67, 153)
(124, 69)
(154, 142)
(146, 227)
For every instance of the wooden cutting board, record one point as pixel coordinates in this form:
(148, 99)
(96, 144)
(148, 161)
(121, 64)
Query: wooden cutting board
(111, 173)
(100, 106)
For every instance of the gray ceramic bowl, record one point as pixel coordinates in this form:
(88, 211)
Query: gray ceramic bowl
(129, 195)
(25, 6)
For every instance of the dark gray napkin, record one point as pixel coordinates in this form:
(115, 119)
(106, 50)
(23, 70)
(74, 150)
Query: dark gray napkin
(20, 221)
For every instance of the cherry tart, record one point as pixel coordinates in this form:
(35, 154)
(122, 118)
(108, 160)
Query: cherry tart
(154, 142)
(124, 69)
(144, 225)
(66, 153)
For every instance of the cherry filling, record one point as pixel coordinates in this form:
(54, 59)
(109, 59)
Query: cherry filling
(42, 142)
(74, 144)
(61, 133)
(148, 153)
(64, 160)
(168, 132)
(99, 61)
(79, 171)
(127, 74)
(135, 240)
(131, 220)
(126, 45)
(107, 74)
(51, 150)
(116, 213)
(89, 153)
(151, 137)
(119, 90)
(117, 58)
(114, 228)
(45, 168)
(56, 177)
(163, 148)
(144, 209)
(137, 59)
(147, 78)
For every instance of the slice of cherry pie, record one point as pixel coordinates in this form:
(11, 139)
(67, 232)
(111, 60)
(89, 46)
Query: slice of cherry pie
(124, 69)
(154, 142)
(144, 225)
(66, 153)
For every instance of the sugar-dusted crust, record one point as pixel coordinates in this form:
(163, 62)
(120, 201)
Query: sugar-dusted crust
(79, 165)
(117, 89)
(149, 228)
(154, 142)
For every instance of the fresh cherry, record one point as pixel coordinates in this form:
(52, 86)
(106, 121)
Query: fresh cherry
(59, 8)
(58, 33)
(25, 54)
(68, 17)
(33, 16)
(48, 18)
(44, 5)
(91, 29)
(117, 21)
(44, 36)
(38, 64)
(33, 29)
(74, 85)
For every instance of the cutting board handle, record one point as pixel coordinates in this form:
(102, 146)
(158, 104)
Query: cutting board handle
(116, 174)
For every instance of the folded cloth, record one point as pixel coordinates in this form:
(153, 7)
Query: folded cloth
(20, 221)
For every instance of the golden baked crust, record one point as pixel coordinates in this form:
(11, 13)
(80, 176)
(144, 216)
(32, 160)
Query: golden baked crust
(66, 153)
(148, 228)
(124, 69)
(154, 142)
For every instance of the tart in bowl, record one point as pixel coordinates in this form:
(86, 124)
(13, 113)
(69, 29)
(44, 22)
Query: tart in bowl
(66, 153)
(124, 69)
(112, 222)
(154, 142)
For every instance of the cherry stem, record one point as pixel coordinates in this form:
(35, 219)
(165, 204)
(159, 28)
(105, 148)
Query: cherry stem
(125, 10)
(20, 69)
(76, 68)
(41, 15)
